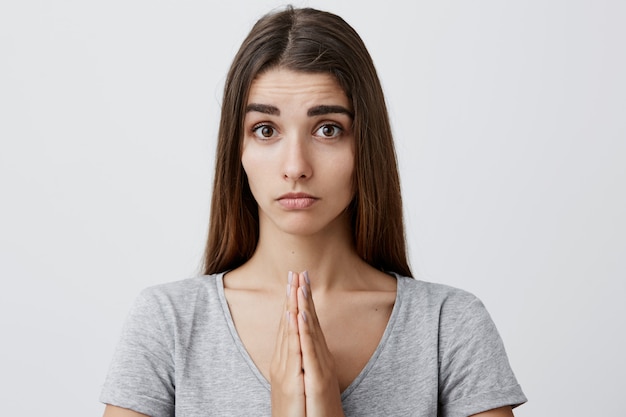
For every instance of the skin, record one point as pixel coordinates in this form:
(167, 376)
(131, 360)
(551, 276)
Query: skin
(310, 334)
(291, 146)
(286, 150)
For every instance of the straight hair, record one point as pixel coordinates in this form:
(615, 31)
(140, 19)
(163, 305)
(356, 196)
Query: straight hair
(313, 41)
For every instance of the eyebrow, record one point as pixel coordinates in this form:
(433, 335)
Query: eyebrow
(263, 108)
(322, 110)
(313, 111)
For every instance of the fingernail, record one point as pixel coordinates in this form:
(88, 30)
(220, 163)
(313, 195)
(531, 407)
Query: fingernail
(306, 277)
(290, 277)
(303, 316)
(305, 292)
(288, 289)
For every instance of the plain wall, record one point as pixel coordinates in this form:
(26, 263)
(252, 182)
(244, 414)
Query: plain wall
(510, 124)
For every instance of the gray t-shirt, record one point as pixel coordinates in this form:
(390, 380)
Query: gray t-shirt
(180, 355)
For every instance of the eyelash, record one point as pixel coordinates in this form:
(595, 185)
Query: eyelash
(256, 128)
(256, 131)
(338, 130)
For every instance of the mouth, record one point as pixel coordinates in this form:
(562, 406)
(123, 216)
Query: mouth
(297, 200)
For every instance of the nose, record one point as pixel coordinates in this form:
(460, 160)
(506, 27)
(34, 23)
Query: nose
(297, 160)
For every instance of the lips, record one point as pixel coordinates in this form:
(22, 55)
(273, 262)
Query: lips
(296, 200)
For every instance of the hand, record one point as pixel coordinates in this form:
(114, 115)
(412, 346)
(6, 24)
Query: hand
(286, 373)
(321, 386)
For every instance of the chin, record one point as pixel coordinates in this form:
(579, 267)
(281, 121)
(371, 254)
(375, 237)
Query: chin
(301, 230)
(312, 226)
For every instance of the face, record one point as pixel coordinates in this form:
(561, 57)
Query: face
(298, 151)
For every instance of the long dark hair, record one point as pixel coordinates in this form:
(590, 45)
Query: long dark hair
(313, 41)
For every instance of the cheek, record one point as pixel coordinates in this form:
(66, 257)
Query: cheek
(342, 174)
(250, 164)
(256, 169)
(349, 166)
(351, 174)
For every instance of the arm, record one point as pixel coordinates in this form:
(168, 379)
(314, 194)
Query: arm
(496, 412)
(474, 371)
(141, 374)
(113, 411)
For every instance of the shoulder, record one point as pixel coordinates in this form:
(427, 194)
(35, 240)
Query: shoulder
(473, 370)
(447, 301)
(441, 308)
(182, 290)
(179, 298)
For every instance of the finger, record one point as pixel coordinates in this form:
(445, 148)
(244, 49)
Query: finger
(280, 349)
(320, 375)
(294, 353)
(284, 346)
(313, 343)
(283, 319)
(308, 329)
(292, 289)
(294, 358)
(307, 345)
(308, 304)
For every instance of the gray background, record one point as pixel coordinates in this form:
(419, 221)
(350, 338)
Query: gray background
(510, 125)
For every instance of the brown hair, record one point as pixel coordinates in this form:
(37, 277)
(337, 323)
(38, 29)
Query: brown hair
(311, 41)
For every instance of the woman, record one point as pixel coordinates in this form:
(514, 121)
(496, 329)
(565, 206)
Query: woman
(307, 307)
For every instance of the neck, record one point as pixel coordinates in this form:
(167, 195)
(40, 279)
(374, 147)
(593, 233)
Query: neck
(329, 257)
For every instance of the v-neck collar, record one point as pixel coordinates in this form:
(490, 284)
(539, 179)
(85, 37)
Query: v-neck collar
(255, 370)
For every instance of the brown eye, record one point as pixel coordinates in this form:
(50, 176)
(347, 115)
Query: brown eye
(329, 131)
(264, 132)
(267, 131)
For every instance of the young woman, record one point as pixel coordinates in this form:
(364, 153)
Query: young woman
(307, 306)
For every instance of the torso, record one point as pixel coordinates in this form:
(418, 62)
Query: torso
(353, 323)
(439, 355)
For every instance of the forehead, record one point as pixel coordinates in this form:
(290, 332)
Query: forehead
(283, 85)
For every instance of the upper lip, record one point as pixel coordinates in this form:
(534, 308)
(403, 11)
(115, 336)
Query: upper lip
(296, 195)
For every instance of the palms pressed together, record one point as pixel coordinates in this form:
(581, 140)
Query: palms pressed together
(303, 375)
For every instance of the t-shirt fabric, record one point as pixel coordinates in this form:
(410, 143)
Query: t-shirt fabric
(180, 355)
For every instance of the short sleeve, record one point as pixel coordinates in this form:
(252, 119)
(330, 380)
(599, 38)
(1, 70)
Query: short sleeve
(141, 375)
(475, 374)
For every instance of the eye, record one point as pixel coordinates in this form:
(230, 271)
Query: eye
(328, 131)
(264, 131)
